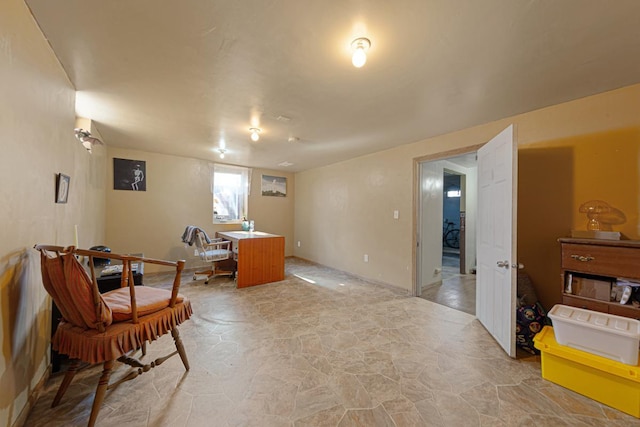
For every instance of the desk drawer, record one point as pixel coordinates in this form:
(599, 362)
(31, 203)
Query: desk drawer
(602, 260)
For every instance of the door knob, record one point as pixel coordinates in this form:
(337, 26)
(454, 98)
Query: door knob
(504, 264)
(519, 266)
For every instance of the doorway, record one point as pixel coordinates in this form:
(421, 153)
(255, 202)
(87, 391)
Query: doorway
(446, 220)
(494, 210)
(453, 200)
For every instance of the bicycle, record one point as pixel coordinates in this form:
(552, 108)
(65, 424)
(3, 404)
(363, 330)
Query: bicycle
(450, 235)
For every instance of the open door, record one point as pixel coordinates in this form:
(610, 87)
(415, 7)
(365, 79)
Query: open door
(496, 239)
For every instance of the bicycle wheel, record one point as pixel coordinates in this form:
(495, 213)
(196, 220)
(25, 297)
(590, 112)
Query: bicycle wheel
(452, 238)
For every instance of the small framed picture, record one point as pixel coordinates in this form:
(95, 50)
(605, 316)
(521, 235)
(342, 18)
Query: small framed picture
(274, 186)
(62, 188)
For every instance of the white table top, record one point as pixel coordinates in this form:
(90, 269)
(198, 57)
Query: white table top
(237, 235)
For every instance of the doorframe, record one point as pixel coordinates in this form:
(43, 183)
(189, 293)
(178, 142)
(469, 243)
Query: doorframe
(417, 203)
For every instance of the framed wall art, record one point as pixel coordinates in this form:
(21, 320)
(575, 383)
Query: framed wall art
(129, 175)
(274, 186)
(62, 188)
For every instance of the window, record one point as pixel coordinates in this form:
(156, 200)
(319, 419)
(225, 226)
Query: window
(230, 193)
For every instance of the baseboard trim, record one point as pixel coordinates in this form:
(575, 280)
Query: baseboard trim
(367, 279)
(33, 398)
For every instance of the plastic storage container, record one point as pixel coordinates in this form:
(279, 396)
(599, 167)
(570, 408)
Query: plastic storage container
(612, 383)
(613, 337)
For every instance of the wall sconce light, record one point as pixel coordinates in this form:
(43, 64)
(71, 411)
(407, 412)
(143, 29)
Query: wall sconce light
(255, 134)
(84, 136)
(222, 151)
(360, 47)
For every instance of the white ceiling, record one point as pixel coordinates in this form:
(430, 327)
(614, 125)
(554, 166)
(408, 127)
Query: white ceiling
(176, 77)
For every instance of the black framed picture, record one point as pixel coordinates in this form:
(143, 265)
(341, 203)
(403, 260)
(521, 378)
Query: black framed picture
(62, 188)
(129, 175)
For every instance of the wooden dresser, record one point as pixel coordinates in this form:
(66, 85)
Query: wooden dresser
(604, 259)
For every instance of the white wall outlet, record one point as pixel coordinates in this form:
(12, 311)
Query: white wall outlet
(396, 214)
(195, 252)
(366, 258)
(298, 243)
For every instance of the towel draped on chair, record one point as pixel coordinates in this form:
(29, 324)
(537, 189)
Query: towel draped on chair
(189, 235)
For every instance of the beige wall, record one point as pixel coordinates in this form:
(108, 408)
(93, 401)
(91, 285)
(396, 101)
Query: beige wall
(178, 194)
(345, 210)
(37, 116)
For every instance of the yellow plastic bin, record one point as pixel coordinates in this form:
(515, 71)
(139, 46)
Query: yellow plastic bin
(613, 383)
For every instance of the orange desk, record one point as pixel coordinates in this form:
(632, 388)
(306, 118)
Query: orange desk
(260, 256)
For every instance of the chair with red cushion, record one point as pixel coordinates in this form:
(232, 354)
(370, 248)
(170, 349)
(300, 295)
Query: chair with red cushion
(102, 328)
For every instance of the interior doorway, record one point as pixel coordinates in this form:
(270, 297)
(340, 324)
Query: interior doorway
(446, 220)
(453, 200)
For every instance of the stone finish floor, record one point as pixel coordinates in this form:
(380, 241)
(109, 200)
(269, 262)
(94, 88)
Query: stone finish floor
(323, 348)
(456, 290)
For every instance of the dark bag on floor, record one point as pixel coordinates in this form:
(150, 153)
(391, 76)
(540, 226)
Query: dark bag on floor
(529, 321)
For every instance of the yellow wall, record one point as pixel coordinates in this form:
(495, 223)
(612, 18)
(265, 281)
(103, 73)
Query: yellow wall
(178, 194)
(37, 118)
(600, 166)
(556, 177)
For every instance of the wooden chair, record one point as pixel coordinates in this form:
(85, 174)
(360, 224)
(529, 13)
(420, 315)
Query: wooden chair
(102, 328)
(216, 251)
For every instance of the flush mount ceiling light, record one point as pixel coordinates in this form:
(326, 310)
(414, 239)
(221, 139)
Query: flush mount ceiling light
(255, 134)
(360, 47)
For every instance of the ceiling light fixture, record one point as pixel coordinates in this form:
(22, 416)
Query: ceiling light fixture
(222, 151)
(255, 134)
(360, 47)
(84, 136)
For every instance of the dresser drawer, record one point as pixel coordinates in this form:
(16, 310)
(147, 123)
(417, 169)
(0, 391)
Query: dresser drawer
(601, 260)
(625, 310)
(588, 304)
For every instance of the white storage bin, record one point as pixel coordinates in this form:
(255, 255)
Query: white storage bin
(613, 337)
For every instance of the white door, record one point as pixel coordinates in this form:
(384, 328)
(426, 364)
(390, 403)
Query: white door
(496, 239)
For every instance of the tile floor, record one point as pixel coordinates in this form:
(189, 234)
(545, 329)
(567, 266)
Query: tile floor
(456, 290)
(323, 348)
